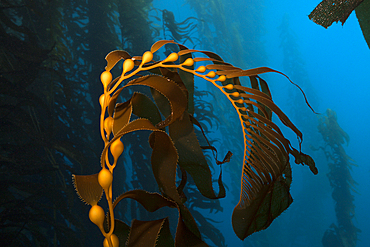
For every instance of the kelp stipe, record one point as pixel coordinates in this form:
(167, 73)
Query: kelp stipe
(266, 174)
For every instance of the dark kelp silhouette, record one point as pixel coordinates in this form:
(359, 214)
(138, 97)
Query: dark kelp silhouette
(179, 31)
(344, 233)
(266, 174)
(329, 11)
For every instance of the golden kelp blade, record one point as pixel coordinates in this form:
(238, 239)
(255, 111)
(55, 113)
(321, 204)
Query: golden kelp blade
(88, 188)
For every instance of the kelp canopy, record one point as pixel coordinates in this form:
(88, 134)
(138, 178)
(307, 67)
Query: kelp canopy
(168, 115)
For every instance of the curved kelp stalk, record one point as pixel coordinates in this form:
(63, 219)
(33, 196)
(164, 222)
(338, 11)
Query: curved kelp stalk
(266, 174)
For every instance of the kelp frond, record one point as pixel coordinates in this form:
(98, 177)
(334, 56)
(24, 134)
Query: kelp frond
(266, 173)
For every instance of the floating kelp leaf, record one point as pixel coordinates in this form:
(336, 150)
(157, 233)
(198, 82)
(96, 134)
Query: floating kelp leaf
(88, 188)
(267, 101)
(113, 101)
(150, 201)
(185, 237)
(212, 56)
(164, 159)
(174, 76)
(165, 238)
(329, 11)
(227, 156)
(150, 233)
(153, 201)
(261, 70)
(261, 85)
(266, 169)
(170, 90)
(113, 58)
(121, 230)
(191, 157)
(122, 115)
(157, 45)
(271, 200)
(162, 102)
(363, 16)
(252, 72)
(143, 107)
(304, 159)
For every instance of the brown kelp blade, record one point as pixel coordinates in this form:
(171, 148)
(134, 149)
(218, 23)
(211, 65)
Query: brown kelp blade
(150, 233)
(191, 157)
(122, 116)
(114, 57)
(88, 188)
(329, 11)
(144, 107)
(168, 88)
(157, 45)
(164, 159)
(187, 230)
(266, 172)
(271, 200)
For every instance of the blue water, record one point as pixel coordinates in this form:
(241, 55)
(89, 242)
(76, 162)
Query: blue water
(337, 63)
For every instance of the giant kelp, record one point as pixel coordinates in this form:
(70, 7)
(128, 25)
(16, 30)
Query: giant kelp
(344, 233)
(266, 174)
